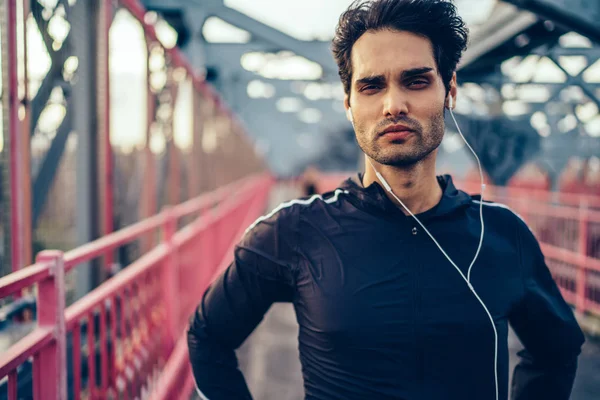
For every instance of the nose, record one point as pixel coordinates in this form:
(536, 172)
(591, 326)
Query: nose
(395, 103)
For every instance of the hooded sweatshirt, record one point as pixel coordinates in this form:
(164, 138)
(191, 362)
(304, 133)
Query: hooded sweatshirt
(382, 313)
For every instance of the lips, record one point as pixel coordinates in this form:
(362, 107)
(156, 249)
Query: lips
(396, 129)
(396, 132)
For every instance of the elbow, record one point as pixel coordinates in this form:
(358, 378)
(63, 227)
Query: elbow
(197, 337)
(206, 348)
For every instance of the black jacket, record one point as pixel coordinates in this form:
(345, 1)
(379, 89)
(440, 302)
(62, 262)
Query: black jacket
(382, 313)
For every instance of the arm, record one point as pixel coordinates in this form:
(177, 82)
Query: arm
(234, 305)
(545, 324)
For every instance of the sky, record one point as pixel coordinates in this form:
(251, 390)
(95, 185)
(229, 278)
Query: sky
(316, 19)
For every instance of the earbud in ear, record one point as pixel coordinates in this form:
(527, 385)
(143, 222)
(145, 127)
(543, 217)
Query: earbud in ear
(350, 116)
(450, 102)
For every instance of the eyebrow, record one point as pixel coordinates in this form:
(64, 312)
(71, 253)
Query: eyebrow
(415, 71)
(379, 79)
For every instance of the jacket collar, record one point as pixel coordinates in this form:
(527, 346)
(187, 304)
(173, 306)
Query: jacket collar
(374, 199)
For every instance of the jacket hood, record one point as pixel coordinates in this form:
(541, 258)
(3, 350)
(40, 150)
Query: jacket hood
(374, 199)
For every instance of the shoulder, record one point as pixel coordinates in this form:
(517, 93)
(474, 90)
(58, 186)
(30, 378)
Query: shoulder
(504, 215)
(499, 210)
(272, 240)
(287, 213)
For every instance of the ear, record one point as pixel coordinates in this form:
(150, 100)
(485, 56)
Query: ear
(347, 107)
(453, 92)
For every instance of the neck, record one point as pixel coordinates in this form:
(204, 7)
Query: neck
(415, 185)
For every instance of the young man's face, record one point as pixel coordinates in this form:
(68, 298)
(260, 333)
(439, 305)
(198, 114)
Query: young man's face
(396, 86)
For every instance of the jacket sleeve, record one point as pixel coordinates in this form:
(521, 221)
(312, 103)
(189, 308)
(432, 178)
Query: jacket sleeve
(547, 328)
(235, 303)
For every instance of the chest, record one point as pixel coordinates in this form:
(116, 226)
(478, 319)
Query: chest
(391, 287)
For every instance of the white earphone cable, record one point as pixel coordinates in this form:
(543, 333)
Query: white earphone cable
(482, 190)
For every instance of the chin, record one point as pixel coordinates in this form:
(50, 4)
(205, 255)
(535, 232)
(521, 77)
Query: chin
(403, 162)
(397, 160)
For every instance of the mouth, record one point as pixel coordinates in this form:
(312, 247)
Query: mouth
(396, 132)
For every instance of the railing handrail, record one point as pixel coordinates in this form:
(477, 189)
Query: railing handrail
(562, 211)
(15, 282)
(101, 246)
(26, 347)
(80, 308)
(568, 256)
(197, 204)
(19, 280)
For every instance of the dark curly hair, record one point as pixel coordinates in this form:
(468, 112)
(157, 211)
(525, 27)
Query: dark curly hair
(436, 20)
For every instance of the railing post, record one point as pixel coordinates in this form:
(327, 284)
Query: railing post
(170, 286)
(51, 313)
(580, 302)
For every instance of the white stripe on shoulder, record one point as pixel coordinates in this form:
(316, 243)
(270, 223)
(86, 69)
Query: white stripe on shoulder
(202, 396)
(288, 204)
(500, 205)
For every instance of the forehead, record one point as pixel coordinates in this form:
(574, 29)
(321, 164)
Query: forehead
(388, 52)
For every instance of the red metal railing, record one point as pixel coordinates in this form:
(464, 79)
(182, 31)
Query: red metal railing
(567, 226)
(570, 239)
(126, 329)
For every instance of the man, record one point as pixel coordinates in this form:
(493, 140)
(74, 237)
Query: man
(392, 306)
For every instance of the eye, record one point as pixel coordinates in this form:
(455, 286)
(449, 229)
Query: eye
(418, 83)
(370, 88)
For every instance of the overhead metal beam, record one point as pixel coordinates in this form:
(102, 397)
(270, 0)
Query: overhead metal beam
(506, 22)
(316, 51)
(38, 103)
(236, 50)
(592, 54)
(587, 88)
(581, 16)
